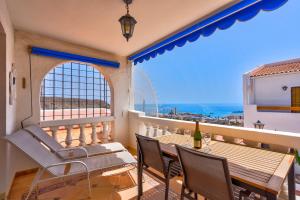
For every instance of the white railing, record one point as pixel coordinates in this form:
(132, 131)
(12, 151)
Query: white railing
(56, 127)
(153, 126)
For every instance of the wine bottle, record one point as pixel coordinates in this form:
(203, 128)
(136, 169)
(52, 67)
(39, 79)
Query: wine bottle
(197, 137)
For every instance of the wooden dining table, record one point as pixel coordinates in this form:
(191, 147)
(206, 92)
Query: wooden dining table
(257, 170)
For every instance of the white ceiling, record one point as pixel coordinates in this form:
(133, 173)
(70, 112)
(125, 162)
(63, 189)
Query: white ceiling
(94, 23)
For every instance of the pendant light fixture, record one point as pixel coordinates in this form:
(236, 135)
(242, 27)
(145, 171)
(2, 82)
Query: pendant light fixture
(127, 22)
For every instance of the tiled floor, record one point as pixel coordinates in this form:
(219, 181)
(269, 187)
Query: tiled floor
(107, 187)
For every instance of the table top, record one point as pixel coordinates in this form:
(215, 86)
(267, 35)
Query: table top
(259, 168)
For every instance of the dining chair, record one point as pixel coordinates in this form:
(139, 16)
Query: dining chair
(206, 175)
(150, 156)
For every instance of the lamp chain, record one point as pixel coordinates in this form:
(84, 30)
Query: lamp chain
(127, 8)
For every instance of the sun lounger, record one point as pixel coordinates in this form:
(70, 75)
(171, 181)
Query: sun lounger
(58, 167)
(67, 153)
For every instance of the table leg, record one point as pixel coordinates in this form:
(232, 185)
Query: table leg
(291, 183)
(140, 175)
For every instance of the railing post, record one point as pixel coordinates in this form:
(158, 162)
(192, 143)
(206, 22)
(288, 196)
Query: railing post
(187, 132)
(54, 130)
(105, 131)
(69, 135)
(109, 129)
(156, 128)
(94, 133)
(174, 130)
(165, 130)
(141, 127)
(228, 139)
(148, 125)
(82, 135)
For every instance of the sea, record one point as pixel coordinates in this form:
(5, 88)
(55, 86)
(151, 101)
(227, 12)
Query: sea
(211, 110)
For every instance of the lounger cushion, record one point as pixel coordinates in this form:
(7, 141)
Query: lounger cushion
(101, 163)
(44, 157)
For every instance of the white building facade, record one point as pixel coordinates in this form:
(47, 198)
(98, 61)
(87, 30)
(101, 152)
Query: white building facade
(271, 95)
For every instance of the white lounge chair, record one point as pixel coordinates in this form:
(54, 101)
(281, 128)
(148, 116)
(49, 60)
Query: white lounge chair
(73, 152)
(57, 167)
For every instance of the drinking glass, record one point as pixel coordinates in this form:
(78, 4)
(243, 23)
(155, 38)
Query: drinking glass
(207, 139)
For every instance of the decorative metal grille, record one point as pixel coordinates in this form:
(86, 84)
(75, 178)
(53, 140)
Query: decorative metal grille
(74, 90)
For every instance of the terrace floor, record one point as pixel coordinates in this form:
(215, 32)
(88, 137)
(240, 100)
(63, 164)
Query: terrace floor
(107, 187)
(110, 186)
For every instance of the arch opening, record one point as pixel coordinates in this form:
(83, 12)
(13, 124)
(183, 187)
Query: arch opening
(74, 90)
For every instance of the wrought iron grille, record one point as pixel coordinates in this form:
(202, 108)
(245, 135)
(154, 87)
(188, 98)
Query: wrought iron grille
(74, 90)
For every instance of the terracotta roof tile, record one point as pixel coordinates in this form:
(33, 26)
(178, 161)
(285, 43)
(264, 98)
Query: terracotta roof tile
(289, 66)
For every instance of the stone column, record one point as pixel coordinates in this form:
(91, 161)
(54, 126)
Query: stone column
(69, 135)
(82, 135)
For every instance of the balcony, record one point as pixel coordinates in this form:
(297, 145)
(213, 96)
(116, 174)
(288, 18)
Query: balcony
(57, 67)
(122, 184)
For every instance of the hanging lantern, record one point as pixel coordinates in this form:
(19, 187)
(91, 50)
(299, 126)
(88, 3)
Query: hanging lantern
(127, 22)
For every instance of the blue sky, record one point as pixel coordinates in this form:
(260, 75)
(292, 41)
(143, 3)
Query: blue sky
(210, 70)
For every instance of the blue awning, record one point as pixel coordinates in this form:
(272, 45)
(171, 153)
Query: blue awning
(70, 56)
(242, 11)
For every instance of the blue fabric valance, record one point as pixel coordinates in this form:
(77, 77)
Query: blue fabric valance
(70, 56)
(242, 11)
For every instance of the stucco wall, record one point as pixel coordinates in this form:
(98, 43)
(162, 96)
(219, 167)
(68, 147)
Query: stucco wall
(268, 90)
(7, 111)
(279, 121)
(119, 80)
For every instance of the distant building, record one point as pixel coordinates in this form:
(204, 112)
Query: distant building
(272, 95)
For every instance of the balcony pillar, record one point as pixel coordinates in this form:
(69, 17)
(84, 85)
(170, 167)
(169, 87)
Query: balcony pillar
(94, 133)
(68, 140)
(54, 130)
(82, 135)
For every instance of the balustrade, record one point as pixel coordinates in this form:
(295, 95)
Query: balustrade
(154, 126)
(81, 132)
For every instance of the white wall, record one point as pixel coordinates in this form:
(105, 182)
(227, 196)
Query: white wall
(119, 79)
(7, 111)
(280, 121)
(268, 90)
(19, 43)
(9, 34)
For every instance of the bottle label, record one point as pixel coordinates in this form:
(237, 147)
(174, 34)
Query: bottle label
(197, 144)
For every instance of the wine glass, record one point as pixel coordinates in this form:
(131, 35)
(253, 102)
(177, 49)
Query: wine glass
(207, 139)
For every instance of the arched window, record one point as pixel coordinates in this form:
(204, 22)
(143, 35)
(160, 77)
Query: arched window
(74, 90)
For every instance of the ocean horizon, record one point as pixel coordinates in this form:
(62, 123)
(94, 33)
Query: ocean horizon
(207, 109)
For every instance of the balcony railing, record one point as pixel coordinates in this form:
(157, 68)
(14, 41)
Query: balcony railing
(80, 131)
(153, 126)
(278, 109)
